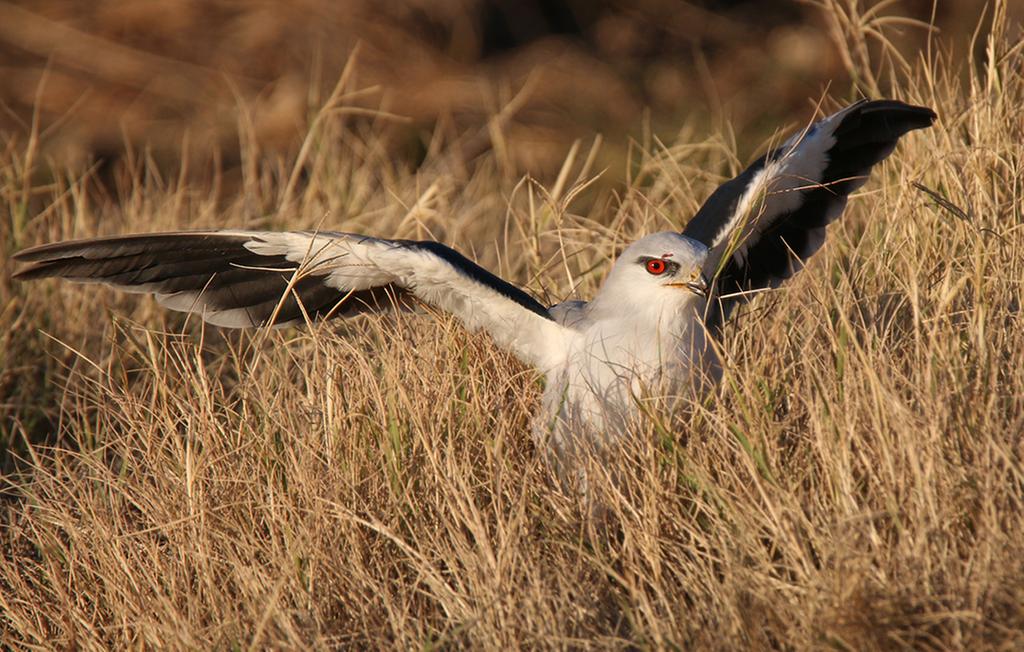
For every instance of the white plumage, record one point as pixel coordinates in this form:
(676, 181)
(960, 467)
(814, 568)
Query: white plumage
(647, 331)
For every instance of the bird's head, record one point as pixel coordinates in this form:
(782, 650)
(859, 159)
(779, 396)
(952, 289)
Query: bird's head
(662, 270)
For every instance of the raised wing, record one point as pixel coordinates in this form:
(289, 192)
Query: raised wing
(763, 225)
(239, 279)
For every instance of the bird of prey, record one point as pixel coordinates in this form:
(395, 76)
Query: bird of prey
(649, 327)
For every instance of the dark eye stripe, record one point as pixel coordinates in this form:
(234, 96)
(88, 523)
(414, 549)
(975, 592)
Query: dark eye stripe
(671, 267)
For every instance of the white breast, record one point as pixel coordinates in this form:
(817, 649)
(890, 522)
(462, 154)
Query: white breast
(615, 363)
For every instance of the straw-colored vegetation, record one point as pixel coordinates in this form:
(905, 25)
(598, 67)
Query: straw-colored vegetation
(857, 483)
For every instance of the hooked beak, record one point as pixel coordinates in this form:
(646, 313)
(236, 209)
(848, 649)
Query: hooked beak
(699, 286)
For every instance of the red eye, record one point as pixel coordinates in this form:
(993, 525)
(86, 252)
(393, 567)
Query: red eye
(656, 266)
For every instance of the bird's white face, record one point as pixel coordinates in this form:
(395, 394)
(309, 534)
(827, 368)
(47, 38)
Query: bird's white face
(663, 270)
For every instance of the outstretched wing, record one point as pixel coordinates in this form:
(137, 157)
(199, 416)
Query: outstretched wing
(764, 224)
(240, 279)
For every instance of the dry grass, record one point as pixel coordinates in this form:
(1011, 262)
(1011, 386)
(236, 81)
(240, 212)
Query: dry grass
(173, 74)
(857, 484)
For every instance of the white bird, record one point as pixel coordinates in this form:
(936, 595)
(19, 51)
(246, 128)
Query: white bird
(648, 328)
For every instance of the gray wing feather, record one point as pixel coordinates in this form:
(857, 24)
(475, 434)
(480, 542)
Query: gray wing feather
(255, 278)
(211, 273)
(764, 224)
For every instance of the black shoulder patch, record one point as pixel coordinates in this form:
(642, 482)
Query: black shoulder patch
(476, 273)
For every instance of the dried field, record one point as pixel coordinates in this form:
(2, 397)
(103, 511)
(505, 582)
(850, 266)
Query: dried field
(857, 483)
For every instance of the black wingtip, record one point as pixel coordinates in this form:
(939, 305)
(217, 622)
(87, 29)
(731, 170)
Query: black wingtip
(39, 261)
(66, 248)
(922, 116)
(888, 119)
(32, 254)
(29, 273)
(40, 270)
(53, 251)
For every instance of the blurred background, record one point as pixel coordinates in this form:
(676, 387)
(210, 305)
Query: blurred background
(209, 79)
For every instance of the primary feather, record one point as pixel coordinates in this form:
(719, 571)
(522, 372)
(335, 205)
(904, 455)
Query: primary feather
(241, 279)
(764, 224)
(646, 330)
